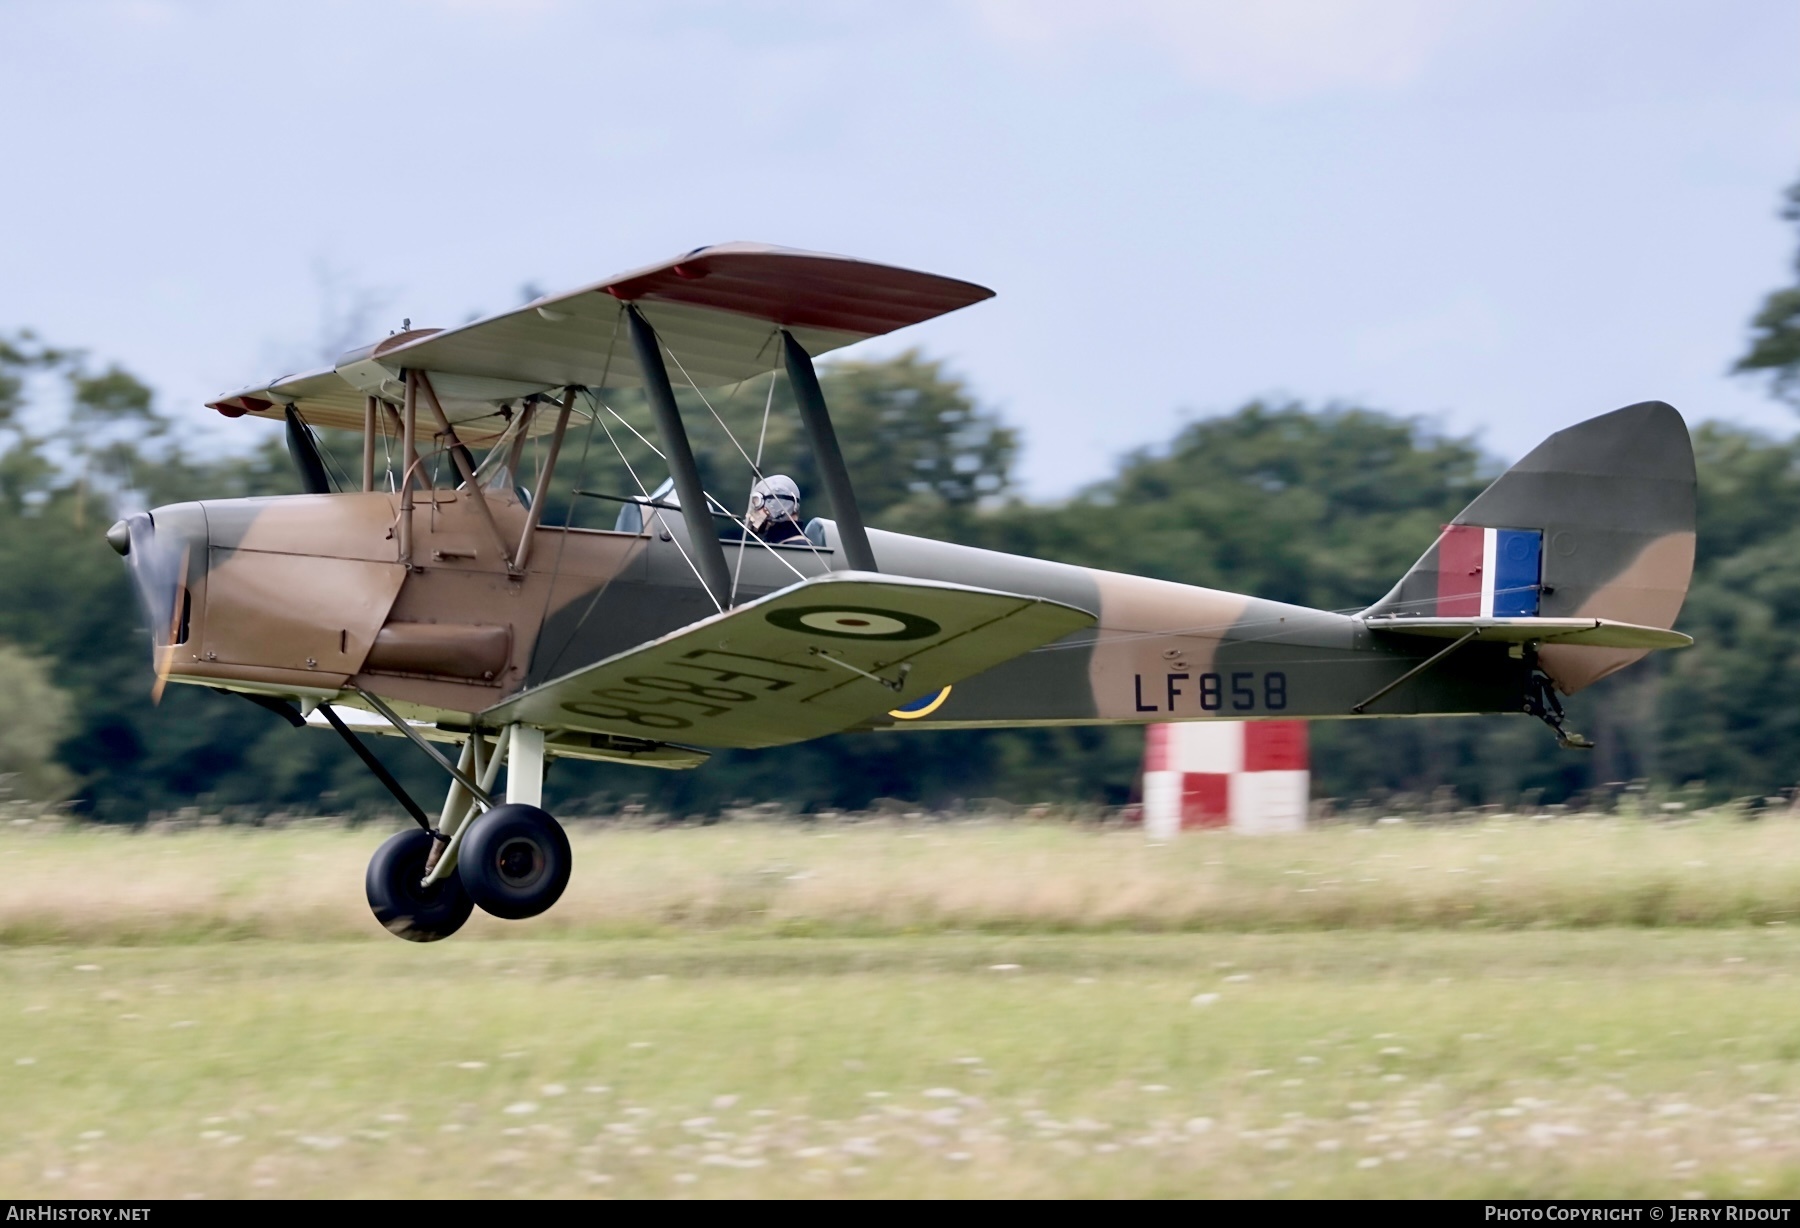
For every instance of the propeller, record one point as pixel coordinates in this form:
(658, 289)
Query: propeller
(164, 658)
(159, 576)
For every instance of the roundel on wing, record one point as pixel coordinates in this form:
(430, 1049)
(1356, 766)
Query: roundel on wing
(854, 622)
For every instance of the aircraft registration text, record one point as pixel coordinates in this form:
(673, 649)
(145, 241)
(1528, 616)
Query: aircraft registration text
(1244, 690)
(648, 699)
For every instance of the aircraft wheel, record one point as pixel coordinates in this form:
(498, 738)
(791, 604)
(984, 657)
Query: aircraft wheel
(409, 911)
(515, 861)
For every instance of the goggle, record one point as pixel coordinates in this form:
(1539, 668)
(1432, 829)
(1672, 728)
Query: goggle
(777, 505)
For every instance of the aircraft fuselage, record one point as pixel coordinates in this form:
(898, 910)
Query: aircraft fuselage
(305, 595)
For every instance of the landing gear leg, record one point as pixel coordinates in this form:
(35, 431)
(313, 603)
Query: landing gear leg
(512, 859)
(481, 765)
(1542, 702)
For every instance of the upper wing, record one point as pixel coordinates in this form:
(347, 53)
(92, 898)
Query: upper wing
(716, 309)
(815, 658)
(1591, 632)
(336, 396)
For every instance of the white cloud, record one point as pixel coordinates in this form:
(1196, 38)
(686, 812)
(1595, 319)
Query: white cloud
(1265, 50)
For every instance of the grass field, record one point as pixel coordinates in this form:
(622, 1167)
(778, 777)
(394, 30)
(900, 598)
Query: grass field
(1512, 1008)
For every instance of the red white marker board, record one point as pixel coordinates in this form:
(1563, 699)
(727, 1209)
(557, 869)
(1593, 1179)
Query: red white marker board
(1250, 776)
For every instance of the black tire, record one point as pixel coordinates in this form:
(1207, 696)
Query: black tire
(515, 861)
(409, 911)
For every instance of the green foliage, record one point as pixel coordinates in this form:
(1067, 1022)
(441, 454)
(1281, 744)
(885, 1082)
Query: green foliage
(1775, 344)
(19, 357)
(915, 438)
(34, 717)
(112, 396)
(1726, 713)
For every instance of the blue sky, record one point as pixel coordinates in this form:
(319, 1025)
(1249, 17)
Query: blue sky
(1504, 216)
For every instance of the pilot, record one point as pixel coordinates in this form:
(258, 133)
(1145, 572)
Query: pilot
(775, 510)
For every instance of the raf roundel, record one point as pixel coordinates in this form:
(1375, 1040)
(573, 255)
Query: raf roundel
(855, 622)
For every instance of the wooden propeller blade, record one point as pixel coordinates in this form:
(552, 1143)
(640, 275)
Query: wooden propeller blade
(165, 662)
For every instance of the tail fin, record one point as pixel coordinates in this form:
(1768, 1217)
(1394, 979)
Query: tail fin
(1598, 521)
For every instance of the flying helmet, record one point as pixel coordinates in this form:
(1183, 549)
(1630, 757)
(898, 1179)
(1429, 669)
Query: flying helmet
(776, 497)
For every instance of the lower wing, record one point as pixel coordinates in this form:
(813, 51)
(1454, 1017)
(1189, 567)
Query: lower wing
(816, 658)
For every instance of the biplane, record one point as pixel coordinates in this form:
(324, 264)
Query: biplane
(432, 601)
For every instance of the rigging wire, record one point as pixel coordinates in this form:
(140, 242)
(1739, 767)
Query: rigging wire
(569, 515)
(502, 444)
(568, 519)
(743, 528)
(336, 474)
(711, 499)
(622, 422)
(692, 566)
(768, 404)
(754, 468)
(340, 475)
(756, 465)
(387, 450)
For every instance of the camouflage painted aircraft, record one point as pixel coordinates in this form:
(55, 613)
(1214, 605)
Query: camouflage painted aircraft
(437, 605)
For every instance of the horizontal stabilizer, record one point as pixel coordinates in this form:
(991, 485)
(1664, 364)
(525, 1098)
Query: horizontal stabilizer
(1589, 632)
(815, 658)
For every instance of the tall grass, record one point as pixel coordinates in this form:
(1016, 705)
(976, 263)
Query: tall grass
(304, 881)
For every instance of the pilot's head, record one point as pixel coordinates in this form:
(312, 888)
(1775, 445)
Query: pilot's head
(775, 498)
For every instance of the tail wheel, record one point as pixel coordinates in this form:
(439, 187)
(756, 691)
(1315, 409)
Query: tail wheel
(409, 911)
(515, 861)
